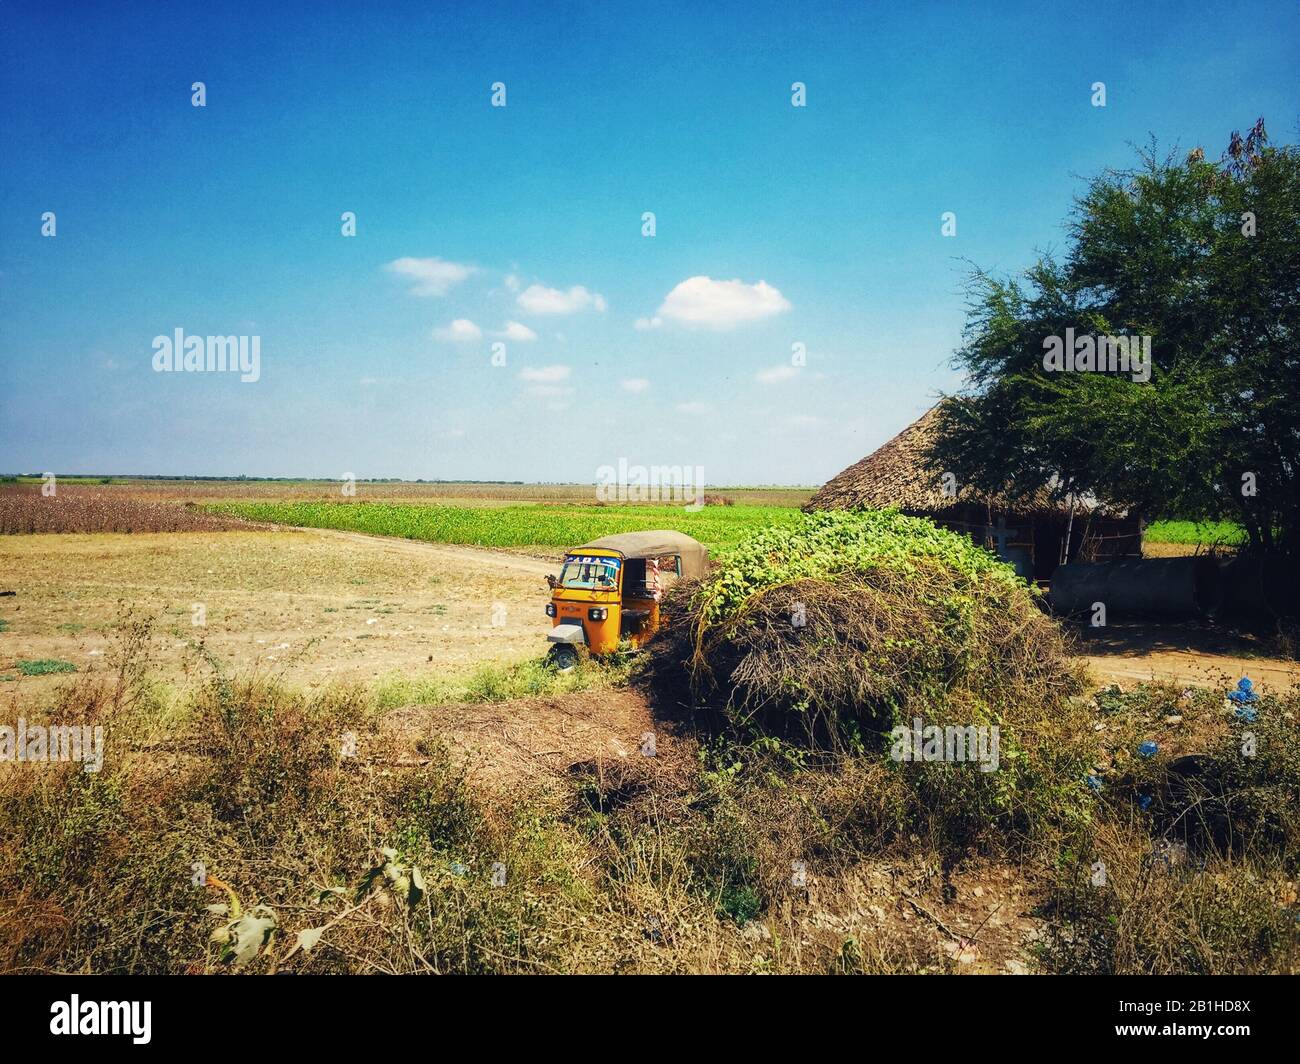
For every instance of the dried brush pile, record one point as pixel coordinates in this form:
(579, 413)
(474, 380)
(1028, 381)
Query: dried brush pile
(832, 632)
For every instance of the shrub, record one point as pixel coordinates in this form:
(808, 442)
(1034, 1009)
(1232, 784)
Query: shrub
(44, 667)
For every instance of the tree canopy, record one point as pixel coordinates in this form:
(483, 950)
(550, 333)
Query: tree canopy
(1202, 258)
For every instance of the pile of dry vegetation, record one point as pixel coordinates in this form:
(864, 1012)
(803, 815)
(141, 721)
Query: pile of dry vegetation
(835, 631)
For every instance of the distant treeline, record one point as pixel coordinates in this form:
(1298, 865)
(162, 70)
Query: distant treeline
(105, 477)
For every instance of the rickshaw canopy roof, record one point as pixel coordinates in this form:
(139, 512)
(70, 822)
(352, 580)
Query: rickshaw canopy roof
(656, 544)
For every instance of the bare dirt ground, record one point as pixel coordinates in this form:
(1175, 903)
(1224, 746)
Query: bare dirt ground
(312, 606)
(982, 921)
(534, 741)
(1188, 654)
(1168, 550)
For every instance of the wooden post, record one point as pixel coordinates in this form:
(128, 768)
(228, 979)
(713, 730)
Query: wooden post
(1069, 531)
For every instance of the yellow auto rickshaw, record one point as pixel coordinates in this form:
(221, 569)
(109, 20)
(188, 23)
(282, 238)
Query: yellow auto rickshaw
(610, 590)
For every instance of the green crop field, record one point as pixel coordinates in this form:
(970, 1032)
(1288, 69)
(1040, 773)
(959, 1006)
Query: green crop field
(560, 525)
(1195, 532)
(548, 526)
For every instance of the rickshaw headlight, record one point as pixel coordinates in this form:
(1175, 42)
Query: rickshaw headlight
(597, 613)
(550, 609)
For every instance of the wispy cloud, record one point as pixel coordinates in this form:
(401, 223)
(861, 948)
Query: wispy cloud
(515, 331)
(432, 277)
(776, 374)
(538, 299)
(694, 408)
(545, 374)
(462, 330)
(635, 385)
(547, 382)
(704, 303)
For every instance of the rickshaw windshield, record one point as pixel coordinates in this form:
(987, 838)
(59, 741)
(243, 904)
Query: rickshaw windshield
(589, 573)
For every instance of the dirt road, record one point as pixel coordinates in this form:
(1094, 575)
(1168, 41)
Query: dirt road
(447, 552)
(1188, 654)
(1194, 670)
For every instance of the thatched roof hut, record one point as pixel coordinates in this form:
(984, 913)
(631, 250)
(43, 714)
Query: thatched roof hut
(895, 475)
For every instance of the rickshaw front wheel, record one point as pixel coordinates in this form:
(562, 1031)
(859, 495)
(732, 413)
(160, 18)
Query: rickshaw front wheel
(564, 656)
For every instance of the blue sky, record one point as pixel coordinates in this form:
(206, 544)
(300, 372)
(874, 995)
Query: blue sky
(225, 219)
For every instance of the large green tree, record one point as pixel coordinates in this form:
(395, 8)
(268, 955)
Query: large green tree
(1204, 258)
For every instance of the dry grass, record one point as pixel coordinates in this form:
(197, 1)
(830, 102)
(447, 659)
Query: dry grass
(721, 857)
(1198, 840)
(250, 782)
(307, 608)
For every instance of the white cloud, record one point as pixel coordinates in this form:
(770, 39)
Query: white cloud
(776, 374)
(635, 385)
(703, 303)
(432, 277)
(647, 323)
(512, 282)
(538, 299)
(547, 382)
(462, 330)
(515, 331)
(545, 374)
(696, 409)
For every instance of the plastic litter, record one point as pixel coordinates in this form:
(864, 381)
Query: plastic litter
(1244, 693)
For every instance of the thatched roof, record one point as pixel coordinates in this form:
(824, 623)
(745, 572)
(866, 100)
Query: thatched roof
(895, 475)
